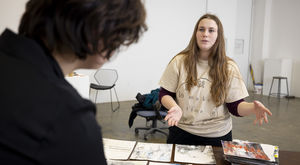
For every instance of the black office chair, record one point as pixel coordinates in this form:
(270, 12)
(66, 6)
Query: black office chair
(149, 108)
(106, 79)
(153, 116)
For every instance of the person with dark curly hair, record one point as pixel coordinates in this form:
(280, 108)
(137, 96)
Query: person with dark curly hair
(43, 119)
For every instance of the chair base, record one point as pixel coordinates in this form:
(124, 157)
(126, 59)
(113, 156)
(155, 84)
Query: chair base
(150, 130)
(152, 117)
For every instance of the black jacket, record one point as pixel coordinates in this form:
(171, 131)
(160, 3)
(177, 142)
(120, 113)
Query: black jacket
(43, 120)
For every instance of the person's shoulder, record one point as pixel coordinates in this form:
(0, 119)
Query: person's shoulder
(232, 65)
(233, 69)
(178, 59)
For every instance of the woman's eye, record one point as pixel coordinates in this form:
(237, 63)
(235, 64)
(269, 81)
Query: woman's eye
(201, 30)
(211, 30)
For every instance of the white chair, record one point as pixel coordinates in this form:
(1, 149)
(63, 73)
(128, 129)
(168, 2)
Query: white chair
(106, 79)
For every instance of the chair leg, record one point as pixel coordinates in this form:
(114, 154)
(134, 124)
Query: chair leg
(151, 130)
(117, 98)
(287, 87)
(279, 88)
(111, 102)
(154, 123)
(142, 128)
(96, 96)
(160, 130)
(271, 87)
(90, 93)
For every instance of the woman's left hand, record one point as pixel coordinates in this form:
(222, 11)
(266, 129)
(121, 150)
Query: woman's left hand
(261, 113)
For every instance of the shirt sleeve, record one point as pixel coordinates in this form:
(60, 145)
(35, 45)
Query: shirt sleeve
(170, 78)
(236, 88)
(233, 107)
(163, 92)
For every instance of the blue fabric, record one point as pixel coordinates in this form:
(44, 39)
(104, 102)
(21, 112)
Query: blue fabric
(151, 98)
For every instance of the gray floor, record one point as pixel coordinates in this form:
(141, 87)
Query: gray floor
(283, 128)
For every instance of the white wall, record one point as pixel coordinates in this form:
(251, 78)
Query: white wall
(236, 19)
(10, 13)
(171, 24)
(257, 39)
(226, 11)
(243, 32)
(277, 36)
(285, 37)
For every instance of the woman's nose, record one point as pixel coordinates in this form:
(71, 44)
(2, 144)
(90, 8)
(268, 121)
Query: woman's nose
(205, 33)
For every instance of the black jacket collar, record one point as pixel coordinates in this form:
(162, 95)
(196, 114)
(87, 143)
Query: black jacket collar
(30, 51)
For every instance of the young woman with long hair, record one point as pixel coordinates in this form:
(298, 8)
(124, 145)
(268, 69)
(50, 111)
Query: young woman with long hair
(201, 86)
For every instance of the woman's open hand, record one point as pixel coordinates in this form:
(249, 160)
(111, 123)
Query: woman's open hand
(174, 115)
(261, 113)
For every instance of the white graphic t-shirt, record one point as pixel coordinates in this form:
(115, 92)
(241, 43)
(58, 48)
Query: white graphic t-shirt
(200, 115)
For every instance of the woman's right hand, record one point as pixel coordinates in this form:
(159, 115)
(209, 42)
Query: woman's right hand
(174, 115)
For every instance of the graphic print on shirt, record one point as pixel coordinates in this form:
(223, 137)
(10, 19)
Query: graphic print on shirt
(196, 105)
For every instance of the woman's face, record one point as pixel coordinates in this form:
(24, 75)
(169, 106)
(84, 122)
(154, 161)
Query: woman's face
(207, 34)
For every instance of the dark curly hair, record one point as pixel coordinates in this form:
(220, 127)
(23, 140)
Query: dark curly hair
(84, 27)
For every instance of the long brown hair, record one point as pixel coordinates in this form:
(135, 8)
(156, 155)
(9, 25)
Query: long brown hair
(217, 61)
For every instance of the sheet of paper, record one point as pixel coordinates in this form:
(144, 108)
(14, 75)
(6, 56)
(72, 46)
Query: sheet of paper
(117, 149)
(152, 151)
(119, 162)
(270, 150)
(156, 163)
(194, 154)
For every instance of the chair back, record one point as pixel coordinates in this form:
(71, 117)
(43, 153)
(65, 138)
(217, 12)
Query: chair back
(106, 77)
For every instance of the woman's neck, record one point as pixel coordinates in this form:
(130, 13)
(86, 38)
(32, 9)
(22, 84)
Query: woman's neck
(203, 55)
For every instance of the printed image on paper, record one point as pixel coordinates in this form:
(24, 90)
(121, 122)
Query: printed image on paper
(250, 150)
(152, 151)
(194, 154)
(156, 163)
(118, 162)
(117, 149)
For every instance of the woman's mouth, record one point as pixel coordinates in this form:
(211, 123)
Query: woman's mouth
(204, 41)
